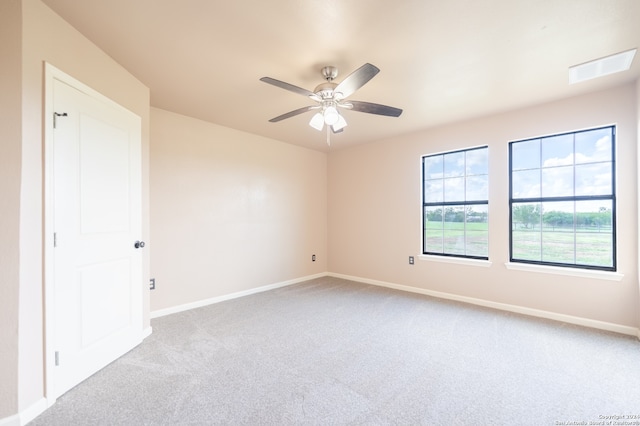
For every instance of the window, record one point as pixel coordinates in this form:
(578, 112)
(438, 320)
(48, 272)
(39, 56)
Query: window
(562, 200)
(455, 203)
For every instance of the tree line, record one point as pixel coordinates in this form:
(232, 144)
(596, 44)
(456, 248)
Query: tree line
(528, 216)
(452, 214)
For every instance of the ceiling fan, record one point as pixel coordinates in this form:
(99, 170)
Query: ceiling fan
(330, 96)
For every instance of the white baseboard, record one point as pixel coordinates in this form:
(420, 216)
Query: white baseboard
(200, 303)
(25, 416)
(10, 421)
(33, 411)
(586, 322)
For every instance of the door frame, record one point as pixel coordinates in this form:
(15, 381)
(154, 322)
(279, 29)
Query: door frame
(52, 73)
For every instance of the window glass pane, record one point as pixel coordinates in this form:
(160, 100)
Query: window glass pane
(433, 215)
(593, 146)
(433, 167)
(433, 229)
(594, 234)
(602, 207)
(477, 231)
(557, 151)
(525, 155)
(476, 162)
(525, 184)
(557, 182)
(593, 179)
(558, 245)
(433, 191)
(526, 216)
(454, 239)
(526, 244)
(454, 164)
(477, 188)
(454, 189)
(594, 249)
(525, 231)
(558, 216)
(594, 215)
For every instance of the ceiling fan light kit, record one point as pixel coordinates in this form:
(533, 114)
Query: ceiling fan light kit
(331, 115)
(330, 96)
(340, 124)
(317, 121)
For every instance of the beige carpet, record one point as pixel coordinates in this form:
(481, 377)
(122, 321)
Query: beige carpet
(336, 352)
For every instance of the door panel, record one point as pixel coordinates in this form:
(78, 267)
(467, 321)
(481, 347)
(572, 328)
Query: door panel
(97, 272)
(106, 300)
(104, 177)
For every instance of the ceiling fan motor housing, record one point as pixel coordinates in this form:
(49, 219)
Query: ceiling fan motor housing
(325, 90)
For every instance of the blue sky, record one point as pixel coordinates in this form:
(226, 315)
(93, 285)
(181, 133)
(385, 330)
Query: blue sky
(457, 176)
(557, 166)
(547, 167)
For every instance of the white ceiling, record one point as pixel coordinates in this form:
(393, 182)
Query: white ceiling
(441, 61)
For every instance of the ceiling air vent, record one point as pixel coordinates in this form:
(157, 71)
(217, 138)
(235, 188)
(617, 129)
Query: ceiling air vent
(601, 67)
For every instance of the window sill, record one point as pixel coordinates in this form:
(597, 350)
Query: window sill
(572, 272)
(456, 260)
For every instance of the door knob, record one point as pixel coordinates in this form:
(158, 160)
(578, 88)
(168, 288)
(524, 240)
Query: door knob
(138, 244)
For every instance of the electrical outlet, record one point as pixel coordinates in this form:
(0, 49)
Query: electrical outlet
(313, 257)
(152, 284)
(410, 260)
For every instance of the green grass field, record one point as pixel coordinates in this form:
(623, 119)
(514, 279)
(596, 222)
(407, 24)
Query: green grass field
(451, 239)
(590, 247)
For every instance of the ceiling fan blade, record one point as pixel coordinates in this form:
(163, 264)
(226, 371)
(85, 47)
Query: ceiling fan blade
(287, 86)
(293, 113)
(356, 80)
(370, 108)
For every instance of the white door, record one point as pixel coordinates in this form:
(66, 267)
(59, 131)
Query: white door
(97, 270)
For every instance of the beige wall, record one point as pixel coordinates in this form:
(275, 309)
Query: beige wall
(10, 134)
(230, 211)
(45, 37)
(375, 211)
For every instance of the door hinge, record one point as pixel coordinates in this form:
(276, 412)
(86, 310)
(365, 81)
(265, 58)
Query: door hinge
(57, 358)
(56, 115)
(55, 239)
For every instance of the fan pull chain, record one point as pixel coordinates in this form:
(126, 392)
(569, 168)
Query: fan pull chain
(328, 136)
